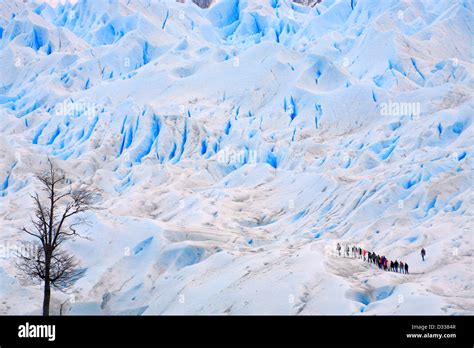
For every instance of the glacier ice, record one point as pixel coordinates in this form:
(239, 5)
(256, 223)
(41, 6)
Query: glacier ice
(232, 143)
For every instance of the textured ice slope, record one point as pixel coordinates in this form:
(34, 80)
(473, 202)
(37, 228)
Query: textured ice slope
(232, 147)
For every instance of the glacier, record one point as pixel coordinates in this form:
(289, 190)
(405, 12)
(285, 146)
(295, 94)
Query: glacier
(233, 143)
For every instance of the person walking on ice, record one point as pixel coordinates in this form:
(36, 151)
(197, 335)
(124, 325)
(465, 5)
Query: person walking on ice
(423, 253)
(338, 248)
(406, 268)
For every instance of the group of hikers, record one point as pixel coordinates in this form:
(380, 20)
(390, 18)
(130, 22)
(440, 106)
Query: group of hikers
(381, 261)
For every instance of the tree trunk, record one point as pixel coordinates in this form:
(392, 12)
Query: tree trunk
(47, 289)
(47, 297)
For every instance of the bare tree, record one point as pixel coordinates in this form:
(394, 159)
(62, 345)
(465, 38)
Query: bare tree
(45, 260)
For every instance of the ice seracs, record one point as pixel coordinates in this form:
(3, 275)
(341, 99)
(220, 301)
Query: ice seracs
(231, 148)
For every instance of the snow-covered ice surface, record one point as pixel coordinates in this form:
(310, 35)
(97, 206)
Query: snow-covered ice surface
(232, 147)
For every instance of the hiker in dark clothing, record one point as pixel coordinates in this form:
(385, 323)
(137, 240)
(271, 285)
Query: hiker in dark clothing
(406, 268)
(347, 251)
(423, 253)
(360, 253)
(391, 266)
(338, 248)
(396, 266)
(402, 267)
